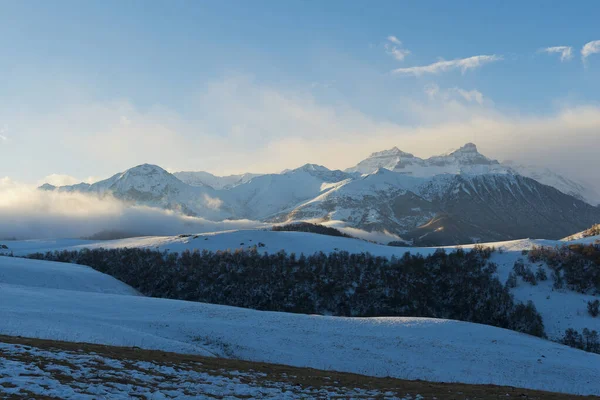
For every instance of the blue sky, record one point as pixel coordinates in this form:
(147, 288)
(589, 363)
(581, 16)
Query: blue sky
(94, 87)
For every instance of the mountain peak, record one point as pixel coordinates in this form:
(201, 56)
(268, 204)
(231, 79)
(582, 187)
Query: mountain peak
(145, 169)
(393, 152)
(468, 148)
(466, 155)
(47, 186)
(390, 159)
(313, 167)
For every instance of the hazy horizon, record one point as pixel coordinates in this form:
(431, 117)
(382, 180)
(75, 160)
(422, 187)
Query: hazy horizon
(94, 88)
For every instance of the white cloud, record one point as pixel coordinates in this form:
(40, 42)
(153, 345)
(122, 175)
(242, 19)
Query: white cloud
(213, 202)
(394, 48)
(434, 93)
(470, 95)
(394, 40)
(566, 52)
(590, 48)
(432, 90)
(464, 64)
(3, 138)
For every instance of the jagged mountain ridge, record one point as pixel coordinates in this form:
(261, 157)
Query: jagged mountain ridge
(468, 160)
(458, 197)
(464, 160)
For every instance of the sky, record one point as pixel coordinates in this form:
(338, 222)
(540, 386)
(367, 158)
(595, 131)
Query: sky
(92, 88)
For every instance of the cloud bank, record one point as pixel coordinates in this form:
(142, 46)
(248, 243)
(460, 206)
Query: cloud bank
(27, 213)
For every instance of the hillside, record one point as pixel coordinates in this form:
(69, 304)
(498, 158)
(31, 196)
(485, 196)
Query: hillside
(407, 348)
(560, 309)
(21, 272)
(588, 233)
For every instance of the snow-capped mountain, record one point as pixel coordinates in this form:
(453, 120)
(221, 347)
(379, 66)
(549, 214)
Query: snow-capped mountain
(449, 208)
(201, 178)
(459, 197)
(466, 160)
(150, 185)
(269, 194)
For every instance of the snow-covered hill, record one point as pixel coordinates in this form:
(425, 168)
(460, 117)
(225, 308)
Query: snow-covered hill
(593, 233)
(409, 348)
(560, 309)
(53, 275)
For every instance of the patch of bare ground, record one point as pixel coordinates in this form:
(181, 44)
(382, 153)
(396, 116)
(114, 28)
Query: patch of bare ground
(256, 373)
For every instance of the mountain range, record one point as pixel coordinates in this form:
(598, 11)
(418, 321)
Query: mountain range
(458, 197)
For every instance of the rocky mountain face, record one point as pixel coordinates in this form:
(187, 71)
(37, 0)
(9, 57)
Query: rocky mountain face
(459, 197)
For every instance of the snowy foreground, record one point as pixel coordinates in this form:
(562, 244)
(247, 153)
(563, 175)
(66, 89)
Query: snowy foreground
(408, 348)
(560, 309)
(76, 375)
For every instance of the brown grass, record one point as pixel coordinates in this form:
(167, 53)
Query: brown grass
(303, 377)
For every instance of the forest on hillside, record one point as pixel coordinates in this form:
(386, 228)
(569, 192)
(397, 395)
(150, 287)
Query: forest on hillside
(459, 285)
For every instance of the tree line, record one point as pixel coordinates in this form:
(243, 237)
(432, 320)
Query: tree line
(460, 285)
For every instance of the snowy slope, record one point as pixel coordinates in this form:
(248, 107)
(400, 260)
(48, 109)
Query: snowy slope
(51, 275)
(201, 178)
(588, 234)
(291, 242)
(548, 177)
(409, 348)
(560, 309)
(95, 373)
(272, 193)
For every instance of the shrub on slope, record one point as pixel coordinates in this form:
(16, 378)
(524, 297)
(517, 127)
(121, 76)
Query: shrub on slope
(576, 265)
(588, 341)
(593, 231)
